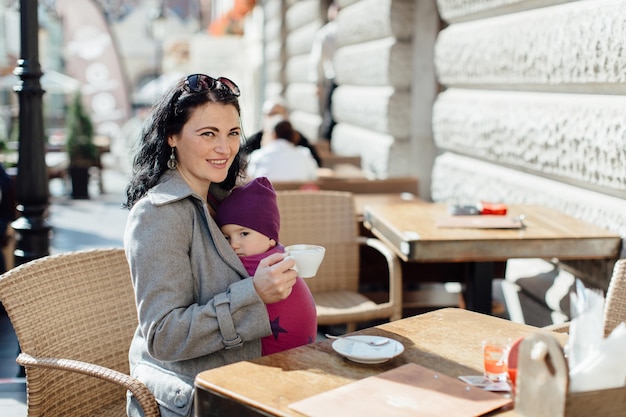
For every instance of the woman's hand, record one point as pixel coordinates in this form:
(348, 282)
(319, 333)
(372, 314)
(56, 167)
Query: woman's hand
(275, 277)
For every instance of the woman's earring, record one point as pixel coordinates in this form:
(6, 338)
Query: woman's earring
(172, 163)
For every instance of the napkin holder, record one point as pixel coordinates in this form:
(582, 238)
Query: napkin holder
(542, 386)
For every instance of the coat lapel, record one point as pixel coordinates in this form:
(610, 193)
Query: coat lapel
(173, 187)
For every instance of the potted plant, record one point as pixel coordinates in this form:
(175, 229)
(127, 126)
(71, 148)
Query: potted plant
(81, 150)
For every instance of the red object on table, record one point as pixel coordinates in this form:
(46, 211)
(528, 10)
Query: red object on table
(492, 208)
(512, 361)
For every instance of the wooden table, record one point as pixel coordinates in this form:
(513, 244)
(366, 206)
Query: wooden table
(410, 228)
(446, 341)
(363, 200)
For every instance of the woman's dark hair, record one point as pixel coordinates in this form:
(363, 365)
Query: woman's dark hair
(168, 116)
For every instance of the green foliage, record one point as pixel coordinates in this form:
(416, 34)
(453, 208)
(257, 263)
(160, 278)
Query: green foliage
(80, 147)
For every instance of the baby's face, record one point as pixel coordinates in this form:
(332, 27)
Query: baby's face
(246, 241)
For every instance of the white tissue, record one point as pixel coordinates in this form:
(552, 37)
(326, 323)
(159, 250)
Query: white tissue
(586, 327)
(603, 367)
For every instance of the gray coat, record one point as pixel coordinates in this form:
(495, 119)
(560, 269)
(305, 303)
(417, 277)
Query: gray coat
(196, 304)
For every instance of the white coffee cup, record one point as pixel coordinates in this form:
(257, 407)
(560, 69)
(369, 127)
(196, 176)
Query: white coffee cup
(308, 258)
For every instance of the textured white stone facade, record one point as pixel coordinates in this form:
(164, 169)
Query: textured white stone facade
(381, 62)
(368, 20)
(573, 137)
(300, 38)
(302, 19)
(374, 74)
(381, 109)
(274, 47)
(574, 47)
(381, 154)
(297, 69)
(300, 14)
(454, 11)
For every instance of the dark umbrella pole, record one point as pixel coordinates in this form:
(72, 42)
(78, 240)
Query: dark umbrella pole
(32, 230)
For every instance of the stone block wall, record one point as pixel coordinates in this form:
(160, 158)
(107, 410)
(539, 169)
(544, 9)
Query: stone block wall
(372, 102)
(274, 47)
(532, 108)
(374, 66)
(301, 19)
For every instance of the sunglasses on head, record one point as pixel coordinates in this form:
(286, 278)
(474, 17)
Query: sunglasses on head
(198, 83)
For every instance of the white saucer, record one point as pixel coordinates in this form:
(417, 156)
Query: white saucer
(353, 349)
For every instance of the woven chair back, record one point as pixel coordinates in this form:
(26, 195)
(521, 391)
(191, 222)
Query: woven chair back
(325, 218)
(615, 308)
(75, 305)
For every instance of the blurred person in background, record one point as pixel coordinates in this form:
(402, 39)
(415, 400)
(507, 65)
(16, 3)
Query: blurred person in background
(322, 72)
(272, 108)
(278, 158)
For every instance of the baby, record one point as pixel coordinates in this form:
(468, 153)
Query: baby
(250, 221)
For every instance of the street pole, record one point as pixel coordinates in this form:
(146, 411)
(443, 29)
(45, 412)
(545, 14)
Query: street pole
(32, 230)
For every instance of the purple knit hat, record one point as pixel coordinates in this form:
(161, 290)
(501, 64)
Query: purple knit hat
(252, 205)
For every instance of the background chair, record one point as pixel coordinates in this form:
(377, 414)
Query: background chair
(614, 303)
(74, 316)
(328, 218)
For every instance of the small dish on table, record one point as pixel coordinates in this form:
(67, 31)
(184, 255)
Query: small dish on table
(356, 349)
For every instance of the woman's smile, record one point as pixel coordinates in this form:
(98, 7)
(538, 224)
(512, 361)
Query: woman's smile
(219, 163)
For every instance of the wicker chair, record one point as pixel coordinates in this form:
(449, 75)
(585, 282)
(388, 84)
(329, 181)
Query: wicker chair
(74, 315)
(328, 218)
(615, 302)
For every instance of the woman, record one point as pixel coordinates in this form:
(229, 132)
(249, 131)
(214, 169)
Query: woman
(197, 306)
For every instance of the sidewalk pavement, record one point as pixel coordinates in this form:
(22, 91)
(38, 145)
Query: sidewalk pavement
(76, 225)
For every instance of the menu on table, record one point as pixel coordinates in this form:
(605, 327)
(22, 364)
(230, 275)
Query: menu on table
(407, 391)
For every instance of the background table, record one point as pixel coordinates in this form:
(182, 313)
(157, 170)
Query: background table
(410, 228)
(446, 341)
